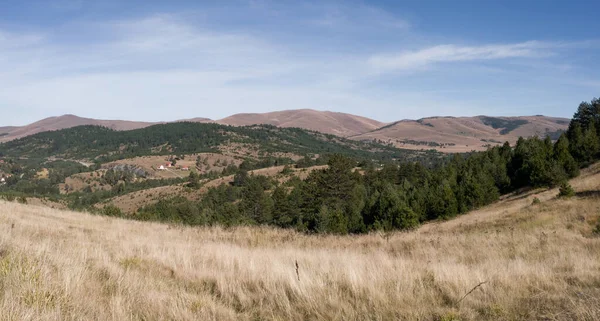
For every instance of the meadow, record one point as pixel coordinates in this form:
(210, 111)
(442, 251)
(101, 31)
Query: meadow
(514, 260)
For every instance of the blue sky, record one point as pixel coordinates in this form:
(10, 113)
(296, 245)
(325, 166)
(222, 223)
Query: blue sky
(388, 60)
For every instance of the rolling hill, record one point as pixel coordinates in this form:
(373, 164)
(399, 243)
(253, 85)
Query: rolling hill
(461, 134)
(339, 124)
(105, 144)
(446, 134)
(65, 121)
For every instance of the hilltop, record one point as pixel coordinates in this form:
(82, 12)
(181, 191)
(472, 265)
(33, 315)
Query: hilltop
(513, 260)
(339, 124)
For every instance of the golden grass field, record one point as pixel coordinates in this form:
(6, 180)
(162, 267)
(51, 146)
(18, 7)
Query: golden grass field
(538, 262)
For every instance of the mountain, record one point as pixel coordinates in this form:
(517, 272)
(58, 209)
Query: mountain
(460, 134)
(339, 124)
(65, 121)
(177, 138)
(447, 134)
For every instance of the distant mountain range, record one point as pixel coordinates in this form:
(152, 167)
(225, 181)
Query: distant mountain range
(450, 134)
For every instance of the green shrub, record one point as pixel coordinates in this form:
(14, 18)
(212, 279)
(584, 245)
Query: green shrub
(566, 190)
(111, 210)
(536, 201)
(596, 230)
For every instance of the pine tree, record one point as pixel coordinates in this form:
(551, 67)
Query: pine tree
(332, 220)
(564, 158)
(282, 214)
(591, 144)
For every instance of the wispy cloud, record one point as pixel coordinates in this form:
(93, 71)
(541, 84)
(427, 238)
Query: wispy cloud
(171, 66)
(453, 53)
(358, 16)
(13, 41)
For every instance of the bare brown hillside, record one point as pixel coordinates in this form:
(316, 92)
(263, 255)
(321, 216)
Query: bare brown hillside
(328, 122)
(460, 134)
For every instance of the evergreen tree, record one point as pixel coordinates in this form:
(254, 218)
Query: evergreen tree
(591, 144)
(332, 220)
(282, 210)
(193, 180)
(564, 158)
(256, 205)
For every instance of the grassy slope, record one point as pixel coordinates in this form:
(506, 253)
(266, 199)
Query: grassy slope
(539, 261)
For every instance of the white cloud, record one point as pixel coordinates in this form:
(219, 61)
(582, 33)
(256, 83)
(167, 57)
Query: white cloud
(453, 53)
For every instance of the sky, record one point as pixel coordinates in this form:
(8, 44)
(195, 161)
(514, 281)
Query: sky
(387, 60)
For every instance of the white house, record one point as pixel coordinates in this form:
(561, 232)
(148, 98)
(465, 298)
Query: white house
(161, 167)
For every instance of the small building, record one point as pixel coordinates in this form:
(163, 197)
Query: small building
(2, 181)
(161, 167)
(185, 168)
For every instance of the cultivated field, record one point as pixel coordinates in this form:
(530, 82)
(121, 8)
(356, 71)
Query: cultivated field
(510, 261)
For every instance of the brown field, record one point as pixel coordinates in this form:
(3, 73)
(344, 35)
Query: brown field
(531, 262)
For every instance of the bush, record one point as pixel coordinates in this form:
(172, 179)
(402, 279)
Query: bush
(596, 230)
(22, 200)
(286, 170)
(111, 210)
(566, 190)
(536, 201)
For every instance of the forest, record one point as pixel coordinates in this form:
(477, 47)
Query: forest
(341, 199)
(102, 144)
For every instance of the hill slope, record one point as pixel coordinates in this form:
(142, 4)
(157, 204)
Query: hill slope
(66, 121)
(339, 124)
(100, 143)
(508, 261)
(461, 134)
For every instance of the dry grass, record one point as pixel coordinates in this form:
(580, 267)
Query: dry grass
(540, 262)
